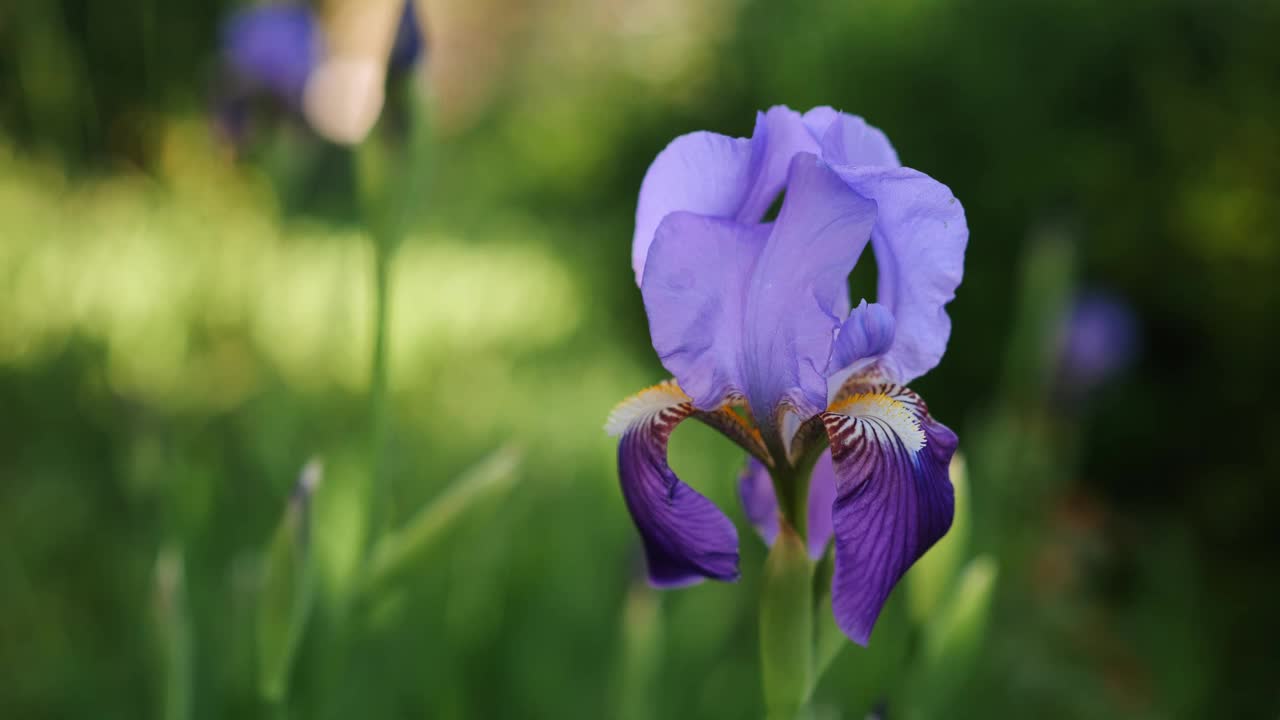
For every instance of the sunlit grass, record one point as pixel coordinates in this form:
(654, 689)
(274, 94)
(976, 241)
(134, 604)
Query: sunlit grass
(196, 286)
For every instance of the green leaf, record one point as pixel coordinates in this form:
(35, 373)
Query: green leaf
(828, 640)
(953, 638)
(285, 600)
(932, 574)
(786, 626)
(399, 549)
(640, 660)
(957, 631)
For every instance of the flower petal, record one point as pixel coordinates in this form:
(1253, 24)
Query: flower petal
(919, 241)
(695, 293)
(686, 537)
(718, 176)
(760, 504)
(850, 140)
(797, 288)
(866, 333)
(894, 498)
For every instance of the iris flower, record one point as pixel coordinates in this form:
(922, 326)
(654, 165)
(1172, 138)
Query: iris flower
(1098, 338)
(753, 319)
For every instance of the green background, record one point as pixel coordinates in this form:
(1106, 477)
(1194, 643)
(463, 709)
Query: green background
(184, 325)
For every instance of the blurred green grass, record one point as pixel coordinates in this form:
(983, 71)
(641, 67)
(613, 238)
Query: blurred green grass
(181, 331)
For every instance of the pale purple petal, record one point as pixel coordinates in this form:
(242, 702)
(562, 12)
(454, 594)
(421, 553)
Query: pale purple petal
(867, 333)
(686, 537)
(850, 140)
(919, 241)
(694, 293)
(797, 288)
(718, 176)
(818, 120)
(702, 173)
(894, 498)
(760, 504)
(779, 135)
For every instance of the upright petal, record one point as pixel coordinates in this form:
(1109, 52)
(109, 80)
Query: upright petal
(919, 241)
(779, 135)
(760, 504)
(865, 334)
(695, 293)
(796, 290)
(686, 537)
(718, 176)
(894, 498)
(848, 139)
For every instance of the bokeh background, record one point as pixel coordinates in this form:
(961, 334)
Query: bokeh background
(187, 285)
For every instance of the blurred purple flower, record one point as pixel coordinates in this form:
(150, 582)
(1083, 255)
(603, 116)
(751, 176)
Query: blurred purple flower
(754, 320)
(269, 52)
(1098, 338)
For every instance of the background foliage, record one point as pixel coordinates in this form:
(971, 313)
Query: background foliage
(183, 325)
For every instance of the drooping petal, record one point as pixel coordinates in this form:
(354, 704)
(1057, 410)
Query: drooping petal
(797, 288)
(866, 333)
(695, 295)
(894, 498)
(760, 503)
(919, 241)
(718, 176)
(686, 537)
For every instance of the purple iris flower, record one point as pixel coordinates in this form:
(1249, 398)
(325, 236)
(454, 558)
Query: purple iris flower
(1098, 338)
(753, 319)
(270, 51)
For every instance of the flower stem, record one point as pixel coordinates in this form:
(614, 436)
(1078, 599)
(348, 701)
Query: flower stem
(384, 249)
(390, 173)
(791, 485)
(786, 627)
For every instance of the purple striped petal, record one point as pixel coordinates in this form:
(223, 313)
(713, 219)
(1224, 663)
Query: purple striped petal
(686, 537)
(894, 497)
(919, 241)
(760, 504)
(718, 176)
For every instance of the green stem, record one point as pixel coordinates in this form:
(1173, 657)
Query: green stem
(384, 248)
(791, 485)
(786, 627)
